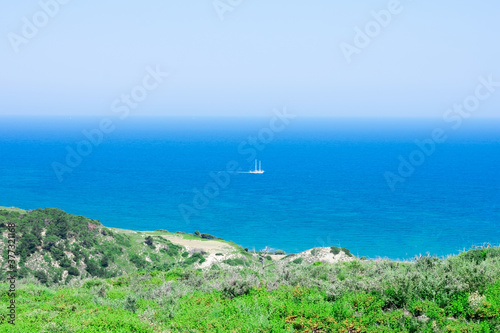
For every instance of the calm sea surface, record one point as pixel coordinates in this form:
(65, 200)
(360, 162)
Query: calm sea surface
(323, 184)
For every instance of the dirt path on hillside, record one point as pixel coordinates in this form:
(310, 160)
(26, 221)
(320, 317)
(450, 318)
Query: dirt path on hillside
(217, 251)
(209, 246)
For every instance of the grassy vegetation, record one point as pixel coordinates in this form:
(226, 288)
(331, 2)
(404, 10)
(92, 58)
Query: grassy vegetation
(457, 294)
(13, 209)
(169, 294)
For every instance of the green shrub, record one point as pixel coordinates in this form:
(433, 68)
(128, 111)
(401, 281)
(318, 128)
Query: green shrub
(174, 274)
(346, 251)
(57, 253)
(459, 305)
(235, 287)
(279, 252)
(92, 283)
(104, 261)
(27, 243)
(149, 241)
(123, 240)
(57, 275)
(41, 276)
(298, 261)
(173, 250)
(426, 262)
(235, 262)
(93, 268)
(138, 261)
(479, 255)
(335, 250)
(107, 232)
(208, 236)
(59, 227)
(195, 257)
(65, 262)
(23, 272)
(73, 271)
(131, 304)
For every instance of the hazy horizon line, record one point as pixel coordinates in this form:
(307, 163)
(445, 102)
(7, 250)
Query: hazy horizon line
(241, 116)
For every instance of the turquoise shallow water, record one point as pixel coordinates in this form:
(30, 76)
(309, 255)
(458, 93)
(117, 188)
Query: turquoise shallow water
(324, 182)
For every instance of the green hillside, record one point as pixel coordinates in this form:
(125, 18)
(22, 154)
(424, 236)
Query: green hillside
(76, 275)
(55, 247)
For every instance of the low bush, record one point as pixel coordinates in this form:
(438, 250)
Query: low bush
(41, 276)
(173, 250)
(336, 250)
(149, 241)
(298, 261)
(235, 262)
(73, 271)
(196, 257)
(138, 261)
(208, 236)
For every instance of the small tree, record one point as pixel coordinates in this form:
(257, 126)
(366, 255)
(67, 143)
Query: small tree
(28, 242)
(105, 261)
(73, 271)
(131, 303)
(263, 255)
(61, 228)
(41, 276)
(149, 241)
(49, 242)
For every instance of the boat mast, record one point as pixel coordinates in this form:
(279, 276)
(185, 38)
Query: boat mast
(260, 165)
(255, 165)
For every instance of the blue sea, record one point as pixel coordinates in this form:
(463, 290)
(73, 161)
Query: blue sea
(325, 180)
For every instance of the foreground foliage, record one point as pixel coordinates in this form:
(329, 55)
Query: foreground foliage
(457, 294)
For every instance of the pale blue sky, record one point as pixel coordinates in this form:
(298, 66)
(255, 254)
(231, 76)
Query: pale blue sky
(265, 54)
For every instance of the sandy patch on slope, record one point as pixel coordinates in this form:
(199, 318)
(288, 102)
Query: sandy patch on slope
(212, 247)
(209, 246)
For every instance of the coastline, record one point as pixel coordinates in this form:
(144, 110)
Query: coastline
(214, 244)
(149, 281)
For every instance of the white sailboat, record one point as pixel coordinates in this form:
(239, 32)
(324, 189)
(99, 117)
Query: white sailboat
(259, 170)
